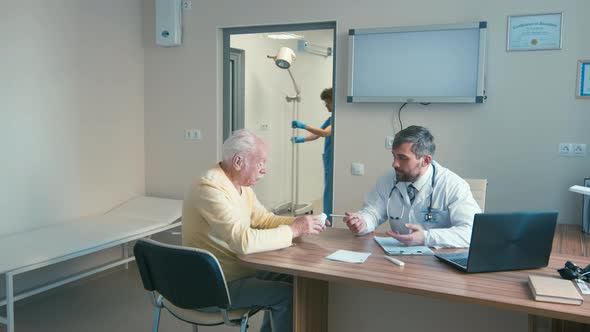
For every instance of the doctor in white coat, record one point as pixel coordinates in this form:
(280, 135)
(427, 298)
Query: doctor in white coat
(424, 203)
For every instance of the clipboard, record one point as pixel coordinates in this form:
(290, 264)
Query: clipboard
(393, 247)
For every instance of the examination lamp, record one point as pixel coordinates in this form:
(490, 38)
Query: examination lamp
(284, 58)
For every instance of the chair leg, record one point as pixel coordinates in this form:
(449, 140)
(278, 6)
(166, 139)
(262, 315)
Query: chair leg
(244, 325)
(195, 328)
(156, 325)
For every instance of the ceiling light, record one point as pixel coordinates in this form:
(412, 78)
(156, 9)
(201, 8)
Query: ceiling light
(284, 36)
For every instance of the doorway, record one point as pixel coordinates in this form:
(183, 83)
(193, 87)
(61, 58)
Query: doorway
(259, 96)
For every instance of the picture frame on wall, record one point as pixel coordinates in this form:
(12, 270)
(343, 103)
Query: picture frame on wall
(583, 80)
(534, 32)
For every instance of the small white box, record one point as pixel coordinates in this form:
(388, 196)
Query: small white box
(168, 22)
(357, 169)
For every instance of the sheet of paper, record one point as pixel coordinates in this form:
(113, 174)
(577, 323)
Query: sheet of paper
(349, 256)
(583, 287)
(394, 247)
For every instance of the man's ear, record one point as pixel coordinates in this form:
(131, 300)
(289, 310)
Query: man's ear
(237, 162)
(426, 160)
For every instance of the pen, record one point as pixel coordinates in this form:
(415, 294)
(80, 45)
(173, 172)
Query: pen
(395, 261)
(337, 215)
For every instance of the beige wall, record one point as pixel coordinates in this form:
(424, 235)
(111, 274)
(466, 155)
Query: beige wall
(511, 139)
(74, 87)
(71, 101)
(71, 116)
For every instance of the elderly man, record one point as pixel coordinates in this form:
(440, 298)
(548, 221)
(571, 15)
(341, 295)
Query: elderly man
(425, 203)
(221, 214)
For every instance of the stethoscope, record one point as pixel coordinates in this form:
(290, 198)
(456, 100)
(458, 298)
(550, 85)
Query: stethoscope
(429, 216)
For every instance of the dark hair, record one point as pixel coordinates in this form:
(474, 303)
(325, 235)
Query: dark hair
(421, 139)
(326, 94)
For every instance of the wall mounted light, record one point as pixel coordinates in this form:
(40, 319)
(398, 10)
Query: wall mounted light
(305, 46)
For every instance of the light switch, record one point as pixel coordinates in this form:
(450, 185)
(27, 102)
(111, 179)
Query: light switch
(389, 142)
(357, 169)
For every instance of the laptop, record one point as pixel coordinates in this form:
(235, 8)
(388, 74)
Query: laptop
(506, 241)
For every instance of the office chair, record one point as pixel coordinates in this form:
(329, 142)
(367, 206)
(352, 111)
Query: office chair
(479, 188)
(184, 281)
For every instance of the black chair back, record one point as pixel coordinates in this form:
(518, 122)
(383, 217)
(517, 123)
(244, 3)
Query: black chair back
(187, 277)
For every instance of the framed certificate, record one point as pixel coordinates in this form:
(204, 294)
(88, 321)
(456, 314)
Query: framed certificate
(583, 79)
(534, 32)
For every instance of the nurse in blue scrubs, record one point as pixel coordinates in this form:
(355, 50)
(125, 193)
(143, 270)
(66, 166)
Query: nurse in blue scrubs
(324, 131)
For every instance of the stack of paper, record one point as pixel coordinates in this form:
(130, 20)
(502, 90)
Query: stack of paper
(548, 289)
(349, 256)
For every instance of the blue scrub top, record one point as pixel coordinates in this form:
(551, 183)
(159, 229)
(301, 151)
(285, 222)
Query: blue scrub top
(327, 144)
(327, 159)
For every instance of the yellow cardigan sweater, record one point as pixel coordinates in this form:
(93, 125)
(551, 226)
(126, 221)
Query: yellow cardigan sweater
(216, 218)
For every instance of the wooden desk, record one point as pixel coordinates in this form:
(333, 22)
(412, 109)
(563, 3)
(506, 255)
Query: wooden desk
(421, 275)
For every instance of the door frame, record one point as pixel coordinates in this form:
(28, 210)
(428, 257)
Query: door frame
(226, 80)
(236, 83)
(227, 32)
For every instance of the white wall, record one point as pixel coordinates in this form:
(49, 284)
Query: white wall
(269, 115)
(71, 100)
(511, 139)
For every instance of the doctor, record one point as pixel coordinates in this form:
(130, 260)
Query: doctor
(424, 203)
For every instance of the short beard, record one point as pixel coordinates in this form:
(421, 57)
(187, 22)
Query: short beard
(406, 177)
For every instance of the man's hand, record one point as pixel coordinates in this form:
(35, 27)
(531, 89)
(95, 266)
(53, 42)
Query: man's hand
(307, 224)
(414, 238)
(355, 222)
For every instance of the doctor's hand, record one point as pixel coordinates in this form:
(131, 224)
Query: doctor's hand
(307, 224)
(355, 222)
(298, 124)
(297, 139)
(414, 238)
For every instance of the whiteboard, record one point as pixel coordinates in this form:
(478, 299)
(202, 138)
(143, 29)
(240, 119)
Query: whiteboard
(437, 63)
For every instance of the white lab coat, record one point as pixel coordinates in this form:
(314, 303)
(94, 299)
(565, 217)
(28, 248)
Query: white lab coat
(452, 205)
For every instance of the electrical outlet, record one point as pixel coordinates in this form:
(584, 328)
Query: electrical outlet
(388, 142)
(187, 5)
(565, 149)
(192, 134)
(578, 150)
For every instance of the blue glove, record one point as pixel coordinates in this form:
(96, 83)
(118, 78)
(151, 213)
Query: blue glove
(297, 139)
(298, 124)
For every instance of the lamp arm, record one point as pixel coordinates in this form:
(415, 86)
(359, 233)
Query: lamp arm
(297, 91)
